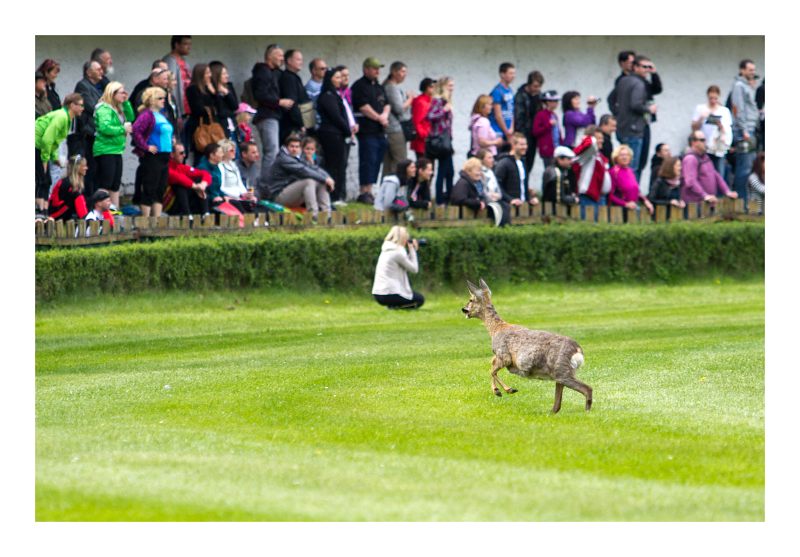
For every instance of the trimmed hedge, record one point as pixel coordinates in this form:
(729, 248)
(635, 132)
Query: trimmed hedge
(345, 259)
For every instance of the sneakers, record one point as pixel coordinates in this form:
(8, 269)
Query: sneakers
(339, 204)
(366, 197)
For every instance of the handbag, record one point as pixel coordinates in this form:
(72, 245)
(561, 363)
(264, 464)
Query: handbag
(439, 145)
(409, 129)
(399, 204)
(309, 114)
(206, 134)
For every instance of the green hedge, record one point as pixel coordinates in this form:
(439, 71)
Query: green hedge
(345, 259)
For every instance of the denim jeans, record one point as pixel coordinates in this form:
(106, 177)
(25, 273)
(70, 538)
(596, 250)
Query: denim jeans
(586, 201)
(444, 180)
(268, 130)
(635, 143)
(371, 149)
(744, 165)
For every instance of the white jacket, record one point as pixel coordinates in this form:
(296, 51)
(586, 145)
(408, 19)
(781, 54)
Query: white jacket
(391, 273)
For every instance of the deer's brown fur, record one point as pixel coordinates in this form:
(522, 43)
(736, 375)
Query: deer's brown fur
(527, 353)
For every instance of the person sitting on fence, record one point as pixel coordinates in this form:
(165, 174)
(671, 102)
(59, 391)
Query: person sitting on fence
(391, 287)
(101, 210)
(66, 200)
(293, 181)
(496, 199)
(559, 184)
(247, 162)
(186, 186)
(511, 175)
(419, 190)
(756, 183)
(393, 191)
(701, 181)
(666, 190)
(233, 189)
(624, 187)
(209, 162)
(591, 169)
(468, 190)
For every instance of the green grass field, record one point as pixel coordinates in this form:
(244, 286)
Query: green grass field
(326, 407)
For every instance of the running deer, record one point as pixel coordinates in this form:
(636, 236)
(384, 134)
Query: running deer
(527, 353)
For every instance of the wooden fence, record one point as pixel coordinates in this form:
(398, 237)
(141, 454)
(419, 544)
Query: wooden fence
(50, 233)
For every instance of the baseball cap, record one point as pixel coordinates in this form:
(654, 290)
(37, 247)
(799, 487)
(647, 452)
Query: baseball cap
(551, 95)
(244, 107)
(372, 62)
(99, 195)
(562, 151)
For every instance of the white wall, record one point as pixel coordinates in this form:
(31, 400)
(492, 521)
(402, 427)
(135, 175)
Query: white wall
(687, 66)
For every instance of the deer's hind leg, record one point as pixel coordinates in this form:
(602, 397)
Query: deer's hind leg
(582, 388)
(559, 392)
(497, 365)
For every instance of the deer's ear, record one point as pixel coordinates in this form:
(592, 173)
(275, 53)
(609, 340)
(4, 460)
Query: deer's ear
(472, 288)
(485, 288)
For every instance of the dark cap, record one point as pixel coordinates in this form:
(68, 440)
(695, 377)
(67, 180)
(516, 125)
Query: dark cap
(98, 196)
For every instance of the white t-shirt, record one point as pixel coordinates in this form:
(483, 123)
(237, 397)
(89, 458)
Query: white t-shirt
(716, 143)
(523, 190)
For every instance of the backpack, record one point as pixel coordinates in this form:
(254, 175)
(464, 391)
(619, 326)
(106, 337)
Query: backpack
(247, 93)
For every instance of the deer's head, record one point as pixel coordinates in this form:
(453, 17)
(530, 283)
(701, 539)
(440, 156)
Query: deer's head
(479, 298)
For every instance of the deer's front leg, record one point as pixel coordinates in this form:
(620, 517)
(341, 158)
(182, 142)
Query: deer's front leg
(497, 365)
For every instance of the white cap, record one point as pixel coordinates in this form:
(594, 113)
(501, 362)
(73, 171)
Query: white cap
(562, 151)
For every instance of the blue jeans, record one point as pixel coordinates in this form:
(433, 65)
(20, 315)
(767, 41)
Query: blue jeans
(635, 143)
(744, 165)
(444, 180)
(268, 130)
(371, 149)
(586, 201)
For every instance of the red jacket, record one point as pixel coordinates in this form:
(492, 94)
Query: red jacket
(184, 176)
(64, 204)
(420, 107)
(543, 132)
(591, 160)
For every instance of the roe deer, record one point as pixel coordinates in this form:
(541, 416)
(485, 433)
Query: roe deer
(527, 353)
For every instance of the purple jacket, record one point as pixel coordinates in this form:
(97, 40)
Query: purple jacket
(574, 119)
(700, 178)
(142, 128)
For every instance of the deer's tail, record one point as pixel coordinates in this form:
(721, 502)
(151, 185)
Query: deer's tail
(576, 360)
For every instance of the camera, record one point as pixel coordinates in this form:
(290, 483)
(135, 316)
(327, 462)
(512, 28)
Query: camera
(422, 241)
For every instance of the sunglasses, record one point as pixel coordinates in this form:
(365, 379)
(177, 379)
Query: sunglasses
(646, 66)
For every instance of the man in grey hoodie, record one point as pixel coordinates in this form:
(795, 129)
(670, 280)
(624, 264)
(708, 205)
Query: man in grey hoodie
(634, 108)
(294, 181)
(745, 123)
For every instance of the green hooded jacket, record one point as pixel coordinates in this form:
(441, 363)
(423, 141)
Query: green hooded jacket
(51, 130)
(109, 131)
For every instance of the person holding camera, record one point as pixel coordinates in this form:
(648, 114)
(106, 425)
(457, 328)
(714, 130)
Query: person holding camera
(574, 119)
(391, 287)
(715, 121)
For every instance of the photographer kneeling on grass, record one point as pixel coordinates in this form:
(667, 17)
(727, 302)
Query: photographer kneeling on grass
(391, 287)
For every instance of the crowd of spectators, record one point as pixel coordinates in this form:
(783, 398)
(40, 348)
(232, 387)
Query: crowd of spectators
(203, 147)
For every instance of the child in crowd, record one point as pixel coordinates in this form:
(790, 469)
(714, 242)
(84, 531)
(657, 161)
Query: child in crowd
(100, 202)
(546, 129)
(244, 115)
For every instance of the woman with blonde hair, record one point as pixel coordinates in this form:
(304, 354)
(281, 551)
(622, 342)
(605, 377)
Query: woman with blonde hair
(391, 287)
(624, 187)
(439, 145)
(152, 143)
(483, 135)
(66, 200)
(112, 121)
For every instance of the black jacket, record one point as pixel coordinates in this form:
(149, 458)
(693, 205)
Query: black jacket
(291, 87)
(559, 185)
(507, 174)
(661, 193)
(525, 108)
(91, 96)
(333, 116)
(198, 102)
(226, 106)
(266, 92)
(465, 193)
(419, 195)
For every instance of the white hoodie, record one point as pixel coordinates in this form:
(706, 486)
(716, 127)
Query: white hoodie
(391, 273)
